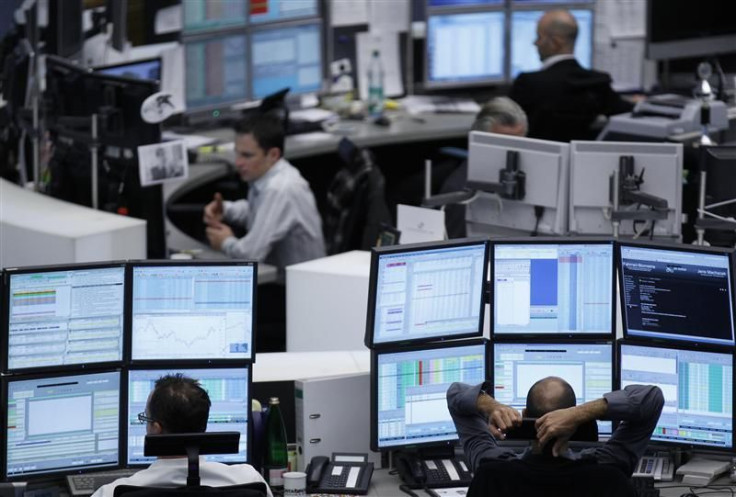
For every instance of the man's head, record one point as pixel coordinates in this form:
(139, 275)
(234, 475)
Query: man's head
(547, 395)
(501, 115)
(556, 34)
(259, 144)
(177, 404)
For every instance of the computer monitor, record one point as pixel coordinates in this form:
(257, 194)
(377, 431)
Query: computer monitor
(229, 392)
(192, 310)
(524, 55)
(676, 293)
(705, 31)
(719, 164)
(409, 388)
(427, 291)
(586, 365)
(287, 56)
(206, 15)
(697, 387)
(262, 11)
(553, 287)
(462, 3)
(538, 205)
(216, 72)
(137, 69)
(61, 316)
(592, 165)
(464, 49)
(60, 424)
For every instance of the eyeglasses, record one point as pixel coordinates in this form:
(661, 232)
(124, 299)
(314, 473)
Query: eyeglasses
(143, 418)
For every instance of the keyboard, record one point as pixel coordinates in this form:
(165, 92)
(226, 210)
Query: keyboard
(644, 487)
(88, 483)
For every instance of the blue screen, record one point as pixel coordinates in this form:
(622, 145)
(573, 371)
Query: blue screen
(287, 57)
(230, 410)
(192, 312)
(458, 3)
(281, 10)
(216, 71)
(524, 55)
(204, 15)
(62, 423)
(150, 69)
(697, 388)
(465, 48)
(546, 289)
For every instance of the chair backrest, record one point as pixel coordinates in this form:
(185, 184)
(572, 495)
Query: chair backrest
(255, 489)
(550, 478)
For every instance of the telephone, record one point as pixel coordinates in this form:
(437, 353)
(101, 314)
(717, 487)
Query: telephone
(433, 473)
(661, 468)
(344, 474)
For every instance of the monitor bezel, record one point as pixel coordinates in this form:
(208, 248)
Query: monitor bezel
(182, 366)
(5, 294)
(99, 69)
(521, 337)
(377, 252)
(683, 347)
(729, 253)
(63, 471)
(132, 265)
(414, 348)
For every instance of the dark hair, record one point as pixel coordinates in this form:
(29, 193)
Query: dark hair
(179, 404)
(267, 130)
(547, 395)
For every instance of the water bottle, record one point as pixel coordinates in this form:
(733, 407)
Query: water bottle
(276, 461)
(375, 85)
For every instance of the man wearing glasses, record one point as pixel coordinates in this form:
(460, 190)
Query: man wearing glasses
(178, 404)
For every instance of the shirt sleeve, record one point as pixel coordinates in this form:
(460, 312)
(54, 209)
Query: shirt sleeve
(235, 212)
(274, 219)
(472, 426)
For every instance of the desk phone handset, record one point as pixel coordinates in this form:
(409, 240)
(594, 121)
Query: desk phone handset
(344, 474)
(433, 473)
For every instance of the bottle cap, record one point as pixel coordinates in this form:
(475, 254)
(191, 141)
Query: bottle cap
(273, 400)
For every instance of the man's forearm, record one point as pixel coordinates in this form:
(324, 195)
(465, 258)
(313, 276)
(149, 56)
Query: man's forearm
(590, 411)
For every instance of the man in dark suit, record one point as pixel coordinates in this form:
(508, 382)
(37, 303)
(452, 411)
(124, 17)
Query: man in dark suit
(563, 99)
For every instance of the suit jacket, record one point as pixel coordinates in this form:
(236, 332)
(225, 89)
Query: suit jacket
(563, 100)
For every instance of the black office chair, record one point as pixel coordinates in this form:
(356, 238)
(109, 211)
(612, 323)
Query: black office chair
(256, 489)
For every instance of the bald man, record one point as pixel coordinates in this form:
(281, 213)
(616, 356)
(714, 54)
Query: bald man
(563, 99)
(481, 420)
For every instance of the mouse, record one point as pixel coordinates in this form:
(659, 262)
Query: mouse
(382, 121)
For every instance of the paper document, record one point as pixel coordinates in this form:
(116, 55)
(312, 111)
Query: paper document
(418, 224)
(388, 46)
(311, 115)
(168, 20)
(191, 142)
(348, 12)
(418, 104)
(162, 162)
(389, 15)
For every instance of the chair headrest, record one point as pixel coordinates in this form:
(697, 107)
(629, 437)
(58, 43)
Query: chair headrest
(587, 432)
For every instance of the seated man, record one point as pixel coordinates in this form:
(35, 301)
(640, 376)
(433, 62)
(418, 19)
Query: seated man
(178, 404)
(563, 99)
(481, 420)
(280, 215)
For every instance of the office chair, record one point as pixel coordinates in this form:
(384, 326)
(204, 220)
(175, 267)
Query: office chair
(256, 489)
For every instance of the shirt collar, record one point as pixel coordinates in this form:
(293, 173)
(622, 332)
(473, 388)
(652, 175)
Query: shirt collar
(550, 61)
(261, 182)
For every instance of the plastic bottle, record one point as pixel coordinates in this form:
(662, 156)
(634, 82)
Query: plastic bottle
(276, 462)
(375, 85)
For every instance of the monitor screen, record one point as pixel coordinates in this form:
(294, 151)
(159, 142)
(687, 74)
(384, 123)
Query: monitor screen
(229, 392)
(64, 316)
(540, 206)
(409, 387)
(206, 15)
(216, 71)
(681, 293)
(697, 388)
(426, 291)
(524, 55)
(282, 10)
(550, 288)
(62, 423)
(462, 3)
(465, 49)
(287, 57)
(587, 367)
(192, 311)
(140, 69)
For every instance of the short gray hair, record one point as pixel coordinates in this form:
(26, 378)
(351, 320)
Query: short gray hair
(500, 110)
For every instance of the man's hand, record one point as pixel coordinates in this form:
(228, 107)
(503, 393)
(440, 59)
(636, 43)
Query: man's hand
(500, 416)
(213, 212)
(559, 425)
(217, 233)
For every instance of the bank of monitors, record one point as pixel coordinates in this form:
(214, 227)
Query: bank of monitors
(409, 387)
(424, 292)
(192, 311)
(697, 387)
(60, 424)
(592, 165)
(63, 316)
(586, 365)
(540, 206)
(677, 293)
(228, 389)
(553, 287)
